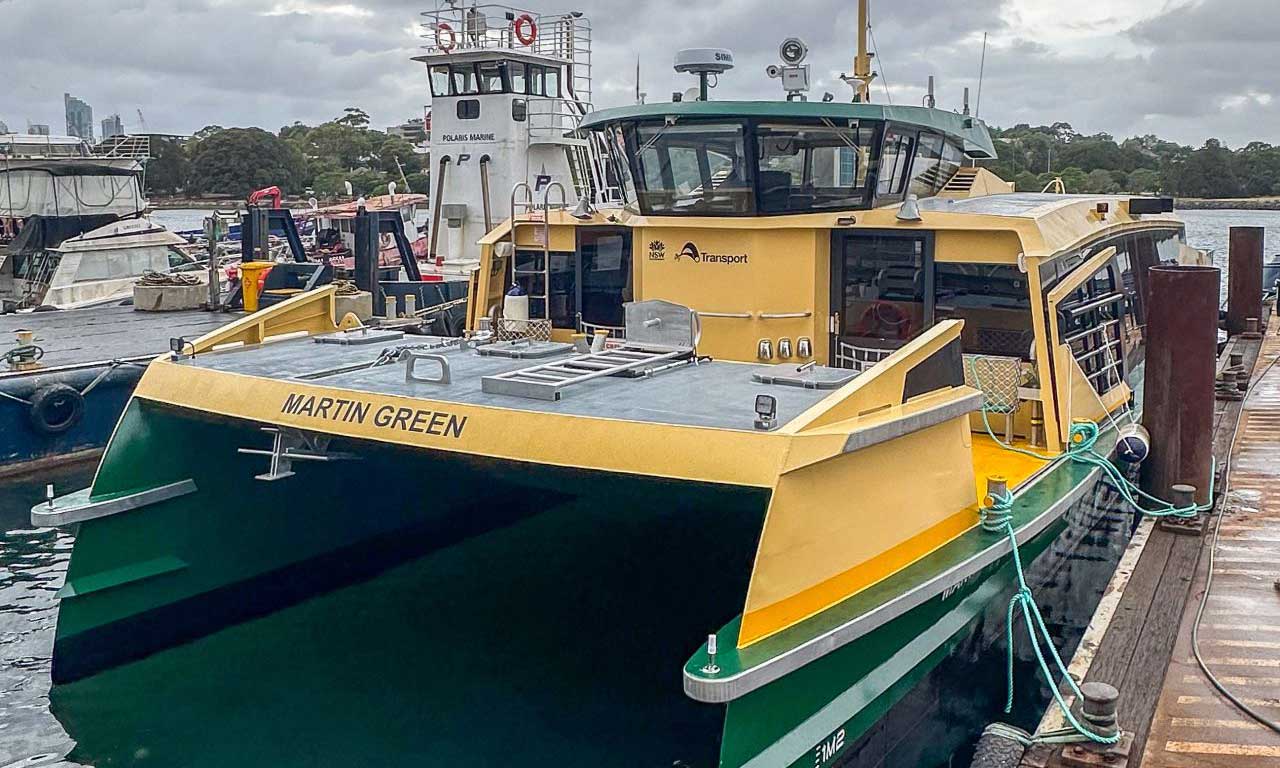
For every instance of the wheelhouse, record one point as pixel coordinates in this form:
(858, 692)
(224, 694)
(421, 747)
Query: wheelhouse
(767, 158)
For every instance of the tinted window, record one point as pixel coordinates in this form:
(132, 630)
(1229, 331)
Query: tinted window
(812, 167)
(994, 300)
(519, 110)
(894, 161)
(924, 167)
(694, 169)
(952, 160)
(884, 288)
(468, 109)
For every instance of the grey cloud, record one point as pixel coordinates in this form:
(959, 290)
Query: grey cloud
(1193, 71)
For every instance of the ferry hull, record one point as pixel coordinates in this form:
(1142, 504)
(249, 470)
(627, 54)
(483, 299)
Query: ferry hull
(878, 697)
(149, 578)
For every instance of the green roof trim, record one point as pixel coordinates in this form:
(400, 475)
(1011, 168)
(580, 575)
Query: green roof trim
(972, 131)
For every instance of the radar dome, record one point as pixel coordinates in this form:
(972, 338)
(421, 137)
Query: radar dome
(699, 61)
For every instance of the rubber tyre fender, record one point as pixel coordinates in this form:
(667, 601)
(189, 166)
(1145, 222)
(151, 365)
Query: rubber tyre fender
(56, 408)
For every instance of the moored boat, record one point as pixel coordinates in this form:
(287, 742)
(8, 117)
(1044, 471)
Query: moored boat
(762, 399)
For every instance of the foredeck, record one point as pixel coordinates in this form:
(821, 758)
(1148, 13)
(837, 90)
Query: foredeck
(711, 394)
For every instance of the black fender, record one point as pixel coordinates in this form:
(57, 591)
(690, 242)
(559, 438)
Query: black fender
(56, 408)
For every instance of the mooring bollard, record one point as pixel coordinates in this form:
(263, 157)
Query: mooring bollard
(1244, 277)
(1182, 339)
(1099, 708)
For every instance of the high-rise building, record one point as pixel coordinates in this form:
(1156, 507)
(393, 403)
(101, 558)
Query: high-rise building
(412, 130)
(38, 129)
(112, 126)
(3, 127)
(79, 117)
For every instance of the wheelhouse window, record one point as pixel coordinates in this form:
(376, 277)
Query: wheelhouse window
(926, 166)
(440, 81)
(517, 77)
(491, 77)
(463, 79)
(895, 162)
(694, 169)
(812, 167)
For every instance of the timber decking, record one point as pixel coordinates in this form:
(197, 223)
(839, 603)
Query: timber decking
(102, 334)
(1240, 633)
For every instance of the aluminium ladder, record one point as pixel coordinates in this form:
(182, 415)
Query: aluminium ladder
(548, 381)
(543, 273)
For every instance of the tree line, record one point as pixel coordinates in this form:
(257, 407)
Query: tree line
(300, 159)
(1032, 157)
(233, 161)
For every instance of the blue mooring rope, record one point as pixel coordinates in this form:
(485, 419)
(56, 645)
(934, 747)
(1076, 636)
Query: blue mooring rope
(996, 516)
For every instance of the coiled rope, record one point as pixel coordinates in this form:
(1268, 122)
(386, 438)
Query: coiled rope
(154, 278)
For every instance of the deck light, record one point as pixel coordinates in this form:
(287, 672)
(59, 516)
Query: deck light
(766, 411)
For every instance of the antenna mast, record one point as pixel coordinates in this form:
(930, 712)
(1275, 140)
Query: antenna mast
(862, 75)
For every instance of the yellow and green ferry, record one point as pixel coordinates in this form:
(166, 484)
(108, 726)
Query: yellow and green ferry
(757, 405)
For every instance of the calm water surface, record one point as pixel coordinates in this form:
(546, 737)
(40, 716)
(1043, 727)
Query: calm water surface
(342, 679)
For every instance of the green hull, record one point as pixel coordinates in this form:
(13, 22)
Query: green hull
(618, 576)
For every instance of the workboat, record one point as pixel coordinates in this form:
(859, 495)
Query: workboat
(335, 229)
(727, 445)
(54, 188)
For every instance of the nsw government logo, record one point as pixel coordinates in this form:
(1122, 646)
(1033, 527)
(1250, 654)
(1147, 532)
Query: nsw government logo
(657, 251)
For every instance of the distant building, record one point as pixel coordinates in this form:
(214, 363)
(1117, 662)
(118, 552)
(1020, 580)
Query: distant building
(3, 127)
(112, 126)
(413, 131)
(79, 117)
(38, 129)
(179, 138)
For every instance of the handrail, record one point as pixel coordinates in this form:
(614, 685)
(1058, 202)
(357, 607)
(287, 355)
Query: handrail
(784, 315)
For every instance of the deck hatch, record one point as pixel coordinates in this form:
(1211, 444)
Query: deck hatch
(806, 376)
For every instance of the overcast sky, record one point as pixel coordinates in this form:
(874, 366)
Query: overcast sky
(1183, 69)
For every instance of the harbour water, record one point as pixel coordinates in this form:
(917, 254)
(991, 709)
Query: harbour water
(347, 678)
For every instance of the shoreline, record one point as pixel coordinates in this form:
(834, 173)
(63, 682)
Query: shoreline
(1228, 204)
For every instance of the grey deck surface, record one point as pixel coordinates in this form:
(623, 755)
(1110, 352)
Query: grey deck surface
(716, 394)
(71, 337)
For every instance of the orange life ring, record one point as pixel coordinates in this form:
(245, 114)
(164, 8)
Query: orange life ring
(452, 38)
(526, 29)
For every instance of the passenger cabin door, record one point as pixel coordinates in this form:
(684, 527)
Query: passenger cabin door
(1086, 315)
(881, 294)
(604, 279)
